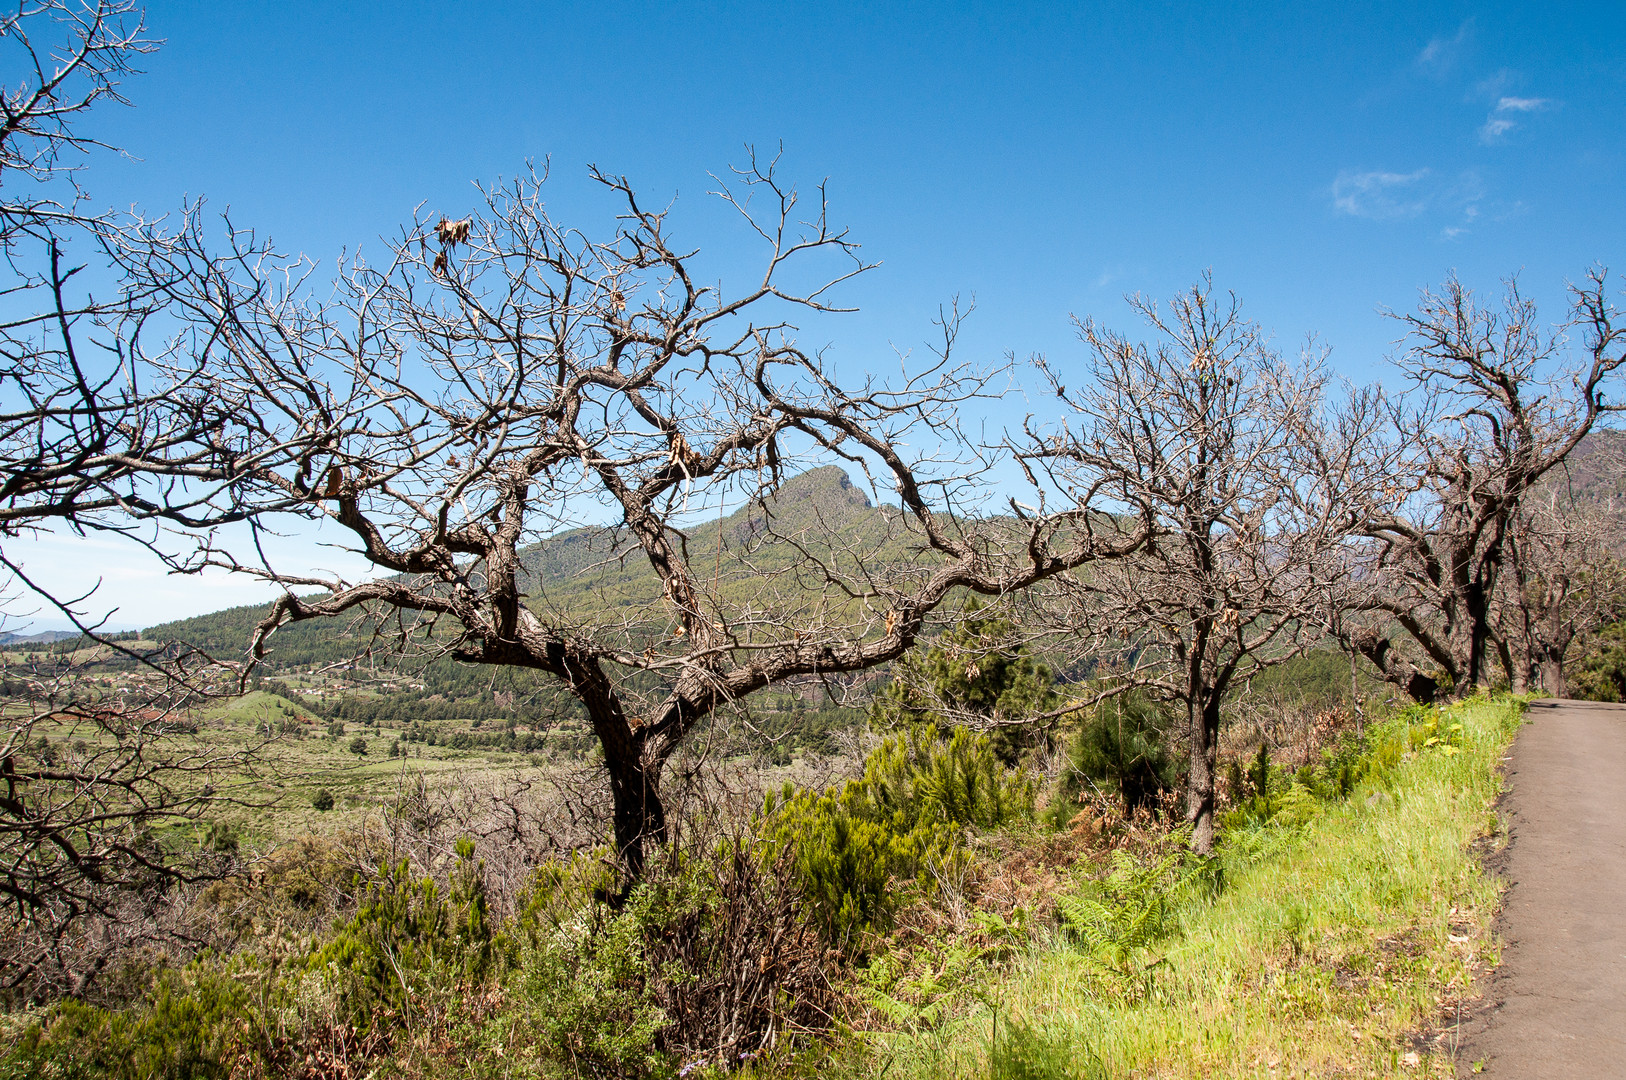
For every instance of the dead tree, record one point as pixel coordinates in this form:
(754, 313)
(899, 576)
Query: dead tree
(61, 415)
(1563, 580)
(509, 378)
(1492, 409)
(1206, 436)
(91, 438)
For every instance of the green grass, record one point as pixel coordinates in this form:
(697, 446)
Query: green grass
(1332, 939)
(294, 769)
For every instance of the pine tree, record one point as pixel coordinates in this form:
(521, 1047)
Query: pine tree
(980, 676)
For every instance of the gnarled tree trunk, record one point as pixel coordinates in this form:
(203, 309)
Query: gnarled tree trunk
(1203, 723)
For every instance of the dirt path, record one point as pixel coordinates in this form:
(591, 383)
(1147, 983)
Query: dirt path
(1556, 1007)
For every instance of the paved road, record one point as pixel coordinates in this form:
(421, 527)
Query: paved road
(1556, 1008)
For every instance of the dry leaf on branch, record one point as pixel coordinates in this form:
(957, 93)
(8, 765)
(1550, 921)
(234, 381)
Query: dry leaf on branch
(451, 233)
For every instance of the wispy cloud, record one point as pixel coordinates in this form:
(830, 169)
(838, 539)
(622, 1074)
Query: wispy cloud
(1470, 213)
(1501, 119)
(1452, 200)
(1521, 104)
(1381, 196)
(1496, 84)
(1441, 53)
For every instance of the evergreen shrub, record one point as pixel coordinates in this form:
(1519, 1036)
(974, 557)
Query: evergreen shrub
(977, 669)
(710, 961)
(1122, 744)
(182, 1030)
(1601, 674)
(908, 812)
(407, 937)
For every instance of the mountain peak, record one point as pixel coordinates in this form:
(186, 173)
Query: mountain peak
(825, 489)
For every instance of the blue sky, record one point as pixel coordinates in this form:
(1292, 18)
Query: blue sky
(1322, 160)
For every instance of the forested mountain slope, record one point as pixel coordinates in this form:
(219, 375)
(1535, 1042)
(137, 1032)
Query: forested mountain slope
(598, 575)
(1597, 468)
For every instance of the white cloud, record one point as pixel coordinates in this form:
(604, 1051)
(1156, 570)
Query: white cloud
(1494, 85)
(1500, 121)
(1451, 201)
(1441, 52)
(1381, 196)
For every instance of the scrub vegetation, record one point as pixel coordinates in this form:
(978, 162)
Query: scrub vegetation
(923, 919)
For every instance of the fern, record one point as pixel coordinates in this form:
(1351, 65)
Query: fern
(1117, 919)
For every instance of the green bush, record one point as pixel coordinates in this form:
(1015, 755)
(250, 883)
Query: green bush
(583, 994)
(322, 800)
(919, 793)
(1255, 793)
(1123, 743)
(978, 668)
(1343, 765)
(917, 779)
(182, 1030)
(845, 861)
(407, 939)
(1601, 674)
(710, 960)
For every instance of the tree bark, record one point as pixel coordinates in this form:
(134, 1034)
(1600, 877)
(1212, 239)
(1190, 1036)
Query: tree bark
(1396, 669)
(1203, 720)
(637, 813)
(1552, 676)
(1476, 670)
(1516, 661)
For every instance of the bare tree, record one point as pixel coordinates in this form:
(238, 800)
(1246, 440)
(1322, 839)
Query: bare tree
(1562, 581)
(91, 438)
(65, 59)
(85, 780)
(1207, 436)
(1493, 408)
(505, 377)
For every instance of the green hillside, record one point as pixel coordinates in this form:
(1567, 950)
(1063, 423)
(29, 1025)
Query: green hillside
(596, 577)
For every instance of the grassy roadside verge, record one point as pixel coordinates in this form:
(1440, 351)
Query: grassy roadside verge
(1341, 927)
